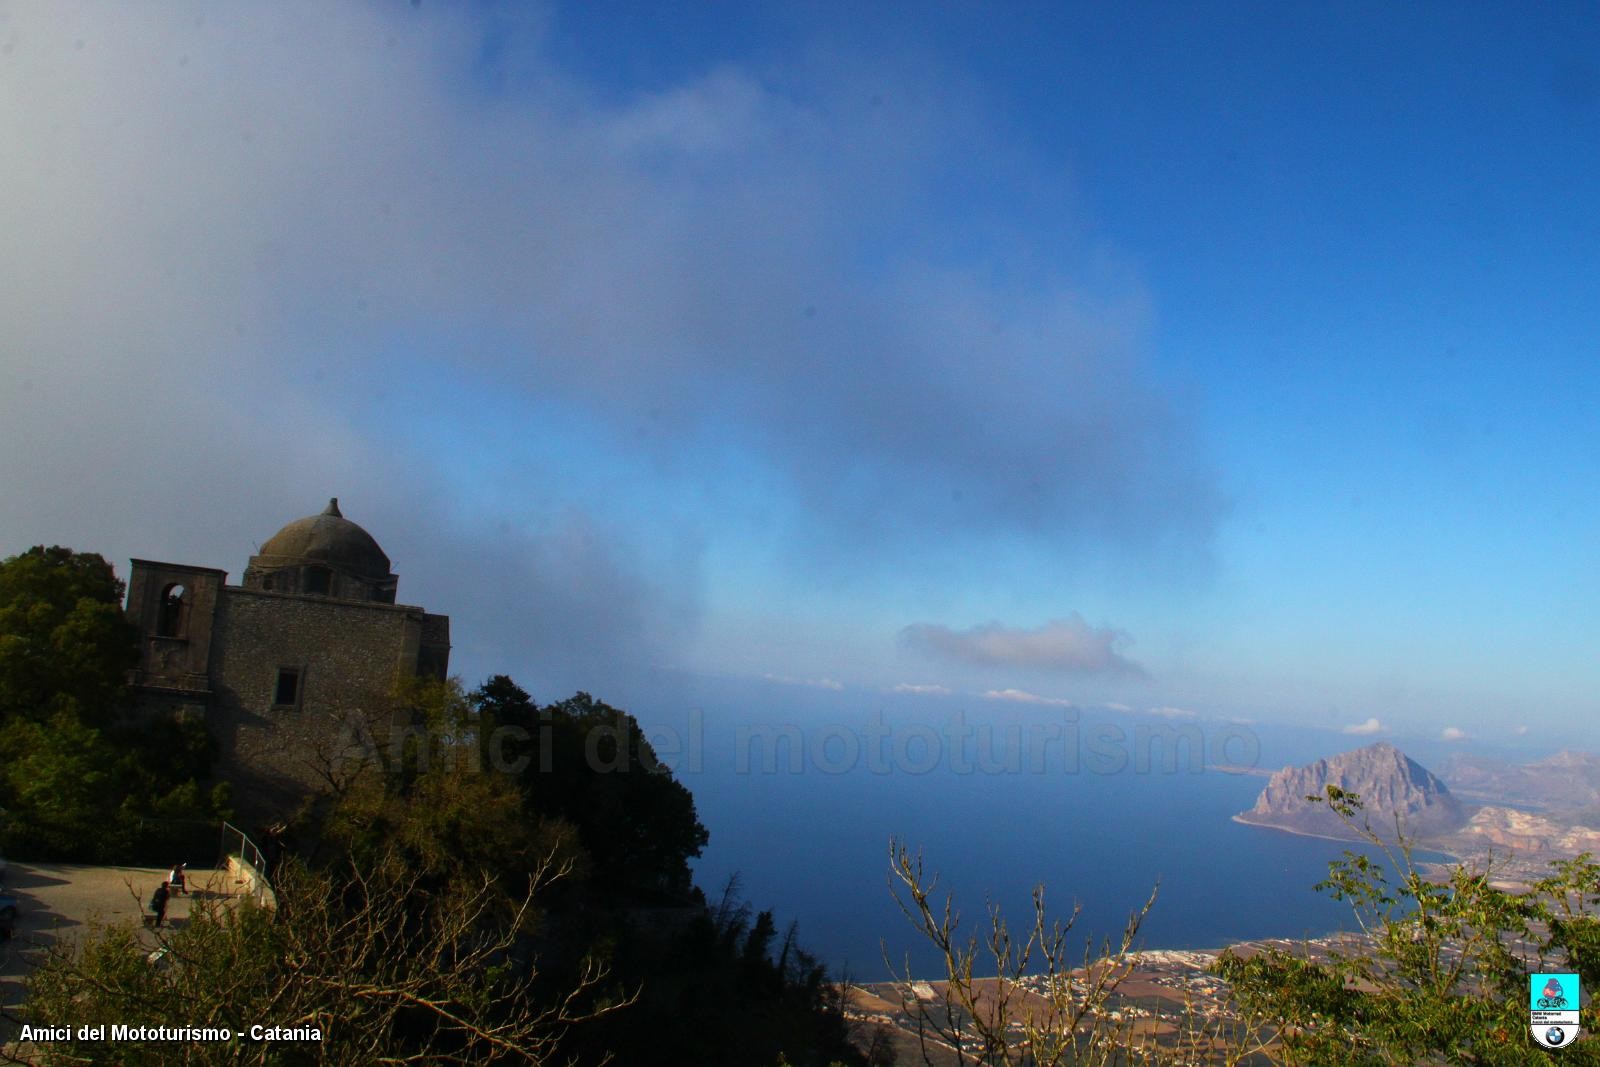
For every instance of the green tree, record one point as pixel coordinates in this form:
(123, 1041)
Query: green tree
(590, 764)
(716, 988)
(421, 788)
(65, 645)
(81, 777)
(1439, 973)
(125, 793)
(501, 702)
(58, 778)
(580, 785)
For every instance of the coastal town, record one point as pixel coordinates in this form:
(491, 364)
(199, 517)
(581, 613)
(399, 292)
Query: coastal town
(1173, 1001)
(1166, 1000)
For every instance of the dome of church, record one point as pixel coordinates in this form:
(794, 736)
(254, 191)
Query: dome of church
(328, 538)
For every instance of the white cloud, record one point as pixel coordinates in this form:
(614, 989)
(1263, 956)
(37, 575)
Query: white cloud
(1520, 731)
(1452, 733)
(1113, 706)
(814, 683)
(1362, 729)
(1021, 696)
(922, 690)
(1067, 644)
(1172, 713)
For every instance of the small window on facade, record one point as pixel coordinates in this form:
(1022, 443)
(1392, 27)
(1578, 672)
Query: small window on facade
(286, 693)
(170, 621)
(317, 580)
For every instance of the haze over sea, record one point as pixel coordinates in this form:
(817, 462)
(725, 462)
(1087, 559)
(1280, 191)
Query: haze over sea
(811, 843)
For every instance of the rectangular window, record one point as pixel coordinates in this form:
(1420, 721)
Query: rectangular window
(286, 694)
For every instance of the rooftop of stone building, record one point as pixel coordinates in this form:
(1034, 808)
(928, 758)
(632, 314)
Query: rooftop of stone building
(328, 538)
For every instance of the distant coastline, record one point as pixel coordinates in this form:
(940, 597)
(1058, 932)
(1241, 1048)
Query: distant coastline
(1252, 770)
(1430, 847)
(1241, 819)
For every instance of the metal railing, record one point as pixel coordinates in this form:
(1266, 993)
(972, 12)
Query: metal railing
(237, 843)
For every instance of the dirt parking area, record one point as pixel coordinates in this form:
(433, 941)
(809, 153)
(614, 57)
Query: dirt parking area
(61, 900)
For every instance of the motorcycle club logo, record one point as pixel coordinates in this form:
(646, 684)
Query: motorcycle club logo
(1553, 1008)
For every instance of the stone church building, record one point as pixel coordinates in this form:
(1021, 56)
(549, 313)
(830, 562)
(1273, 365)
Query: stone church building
(311, 634)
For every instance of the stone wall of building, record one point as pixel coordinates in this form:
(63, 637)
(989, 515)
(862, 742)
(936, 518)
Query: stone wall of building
(347, 657)
(280, 666)
(433, 659)
(174, 605)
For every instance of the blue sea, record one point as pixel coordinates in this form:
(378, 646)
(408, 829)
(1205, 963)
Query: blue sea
(808, 838)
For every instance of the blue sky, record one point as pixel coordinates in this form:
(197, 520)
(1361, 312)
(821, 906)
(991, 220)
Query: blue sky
(1239, 359)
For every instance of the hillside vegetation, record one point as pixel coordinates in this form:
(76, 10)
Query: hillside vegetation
(437, 902)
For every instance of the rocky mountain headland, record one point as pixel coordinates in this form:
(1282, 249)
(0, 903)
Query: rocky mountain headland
(1392, 787)
(1513, 819)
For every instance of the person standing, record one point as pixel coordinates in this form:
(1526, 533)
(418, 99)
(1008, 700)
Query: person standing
(158, 905)
(176, 882)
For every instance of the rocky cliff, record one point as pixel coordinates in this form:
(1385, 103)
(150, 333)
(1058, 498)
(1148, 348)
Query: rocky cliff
(1388, 781)
(1511, 832)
